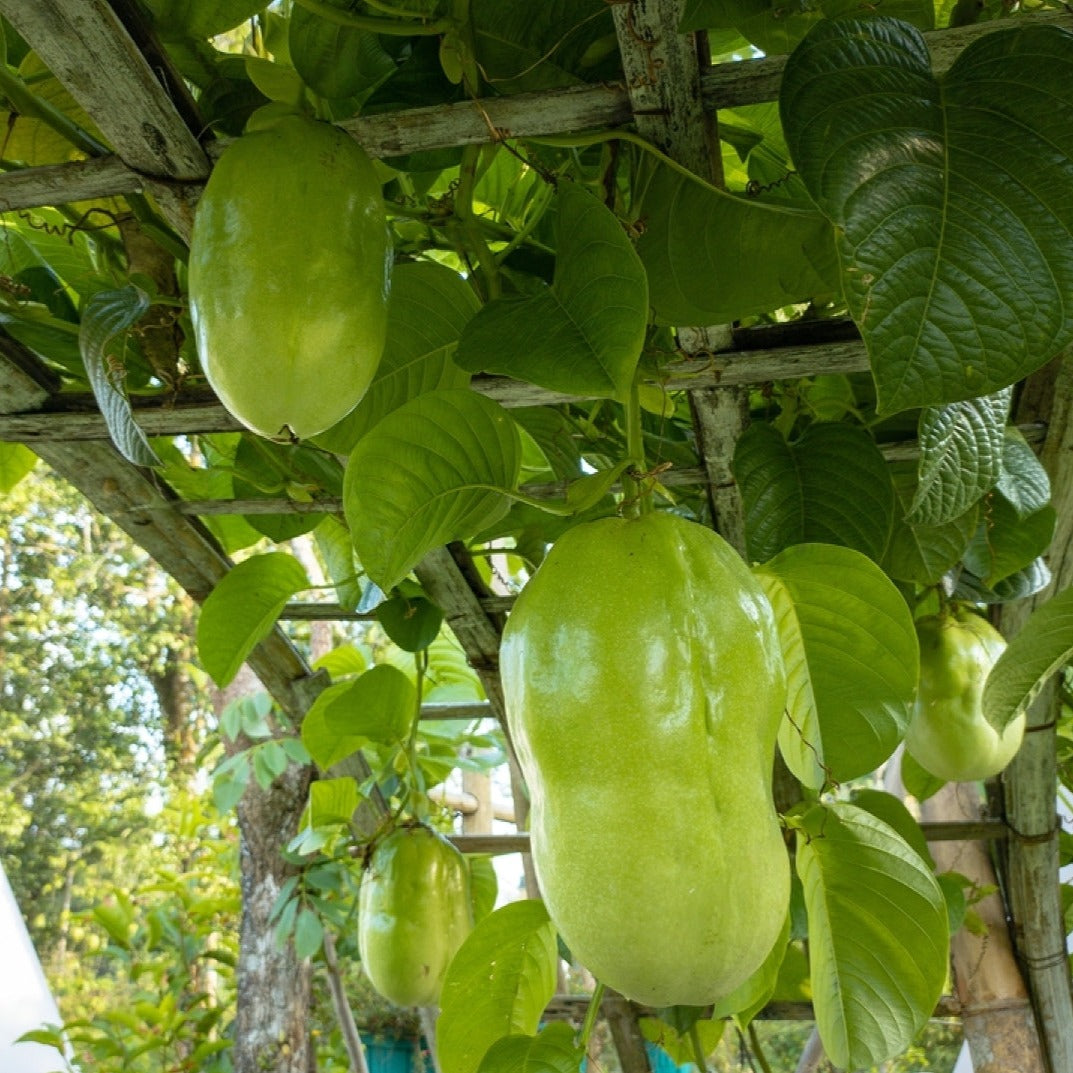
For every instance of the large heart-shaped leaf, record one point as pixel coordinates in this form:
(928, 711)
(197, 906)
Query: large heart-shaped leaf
(428, 308)
(851, 659)
(497, 985)
(242, 609)
(1044, 644)
(961, 448)
(952, 198)
(713, 257)
(831, 486)
(878, 934)
(583, 334)
(430, 472)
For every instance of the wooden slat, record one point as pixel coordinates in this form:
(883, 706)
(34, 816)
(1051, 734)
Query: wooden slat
(78, 418)
(87, 47)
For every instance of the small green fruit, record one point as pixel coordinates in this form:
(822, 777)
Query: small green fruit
(644, 685)
(948, 734)
(289, 273)
(414, 911)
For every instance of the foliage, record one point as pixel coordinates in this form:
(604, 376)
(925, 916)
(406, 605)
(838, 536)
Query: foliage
(935, 223)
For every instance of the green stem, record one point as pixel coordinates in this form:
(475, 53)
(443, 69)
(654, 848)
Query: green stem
(636, 500)
(474, 240)
(535, 216)
(698, 1048)
(417, 784)
(590, 1016)
(415, 28)
(758, 1051)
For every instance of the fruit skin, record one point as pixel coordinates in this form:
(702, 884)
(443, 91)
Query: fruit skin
(289, 272)
(644, 686)
(414, 911)
(948, 734)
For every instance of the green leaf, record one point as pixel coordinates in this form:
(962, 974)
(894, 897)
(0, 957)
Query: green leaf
(851, 658)
(483, 886)
(333, 801)
(242, 609)
(308, 933)
(670, 1035)
(229, 786)
(497, 985)
(584, 334)
(106, 315)
(877, 934)
(893, 813)
(430, 472)
(337, 550)
(1023, 481)
(961, 448)
(831, 486)
(343, 660)
(918, 782)
(412, 622)
(1032, 579)
(428, 307)
(335, 61)
(552, 1050)
(1044, 644)
(923, 553)
(749, 998)
(200, 18)
(1005, 543)
(957, 258)
(16, 461)
(714, 257)
(379, 706)
(524, 47)
(770, 27)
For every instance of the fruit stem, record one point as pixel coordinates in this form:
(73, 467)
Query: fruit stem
(758, 1051)
(637, 499)
(590, 1016)
(417, 781)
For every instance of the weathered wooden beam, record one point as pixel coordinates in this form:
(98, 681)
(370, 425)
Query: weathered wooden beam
(1031, 781)
(940, 831)
(87, 47)
(75, 417)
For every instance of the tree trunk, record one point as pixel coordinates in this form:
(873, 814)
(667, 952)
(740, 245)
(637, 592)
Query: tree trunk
(997, 1014)
(274, 985)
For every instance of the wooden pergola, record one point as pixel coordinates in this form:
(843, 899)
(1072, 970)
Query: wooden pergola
(107, 58)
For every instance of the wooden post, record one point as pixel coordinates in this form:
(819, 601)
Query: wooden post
(997, 1011)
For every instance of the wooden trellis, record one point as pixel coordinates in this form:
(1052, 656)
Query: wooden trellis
(108, 60)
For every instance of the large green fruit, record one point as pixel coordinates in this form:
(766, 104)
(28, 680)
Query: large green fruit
(414, 911)
(289, 273)
(948, 734)
(644, 687)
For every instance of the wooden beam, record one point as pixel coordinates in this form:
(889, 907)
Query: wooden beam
(1031, 781)
(75, 417)
(86, 46)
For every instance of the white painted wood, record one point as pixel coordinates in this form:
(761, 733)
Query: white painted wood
(26, 1001)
